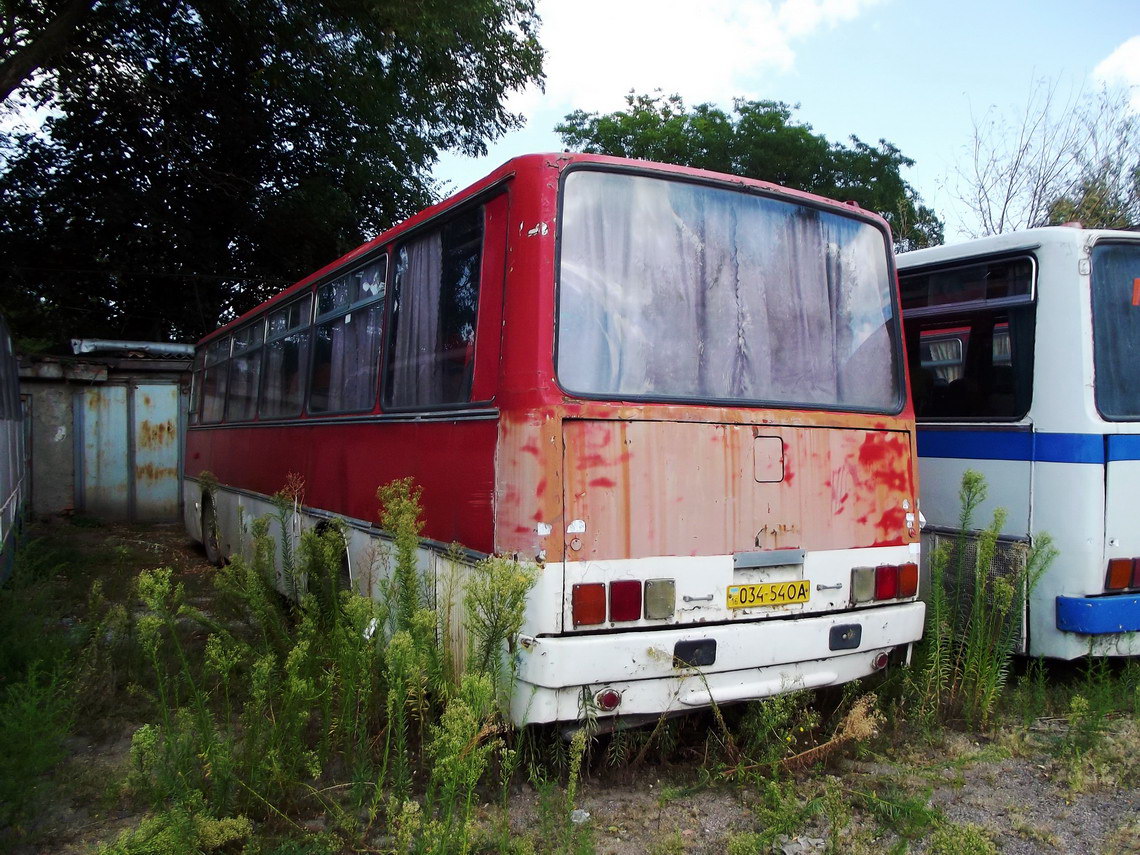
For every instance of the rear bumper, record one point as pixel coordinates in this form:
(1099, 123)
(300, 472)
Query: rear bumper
(753, 660)
(1099, 615)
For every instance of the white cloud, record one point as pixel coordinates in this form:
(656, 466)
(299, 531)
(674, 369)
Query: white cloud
(1122, 67)
(597, 50)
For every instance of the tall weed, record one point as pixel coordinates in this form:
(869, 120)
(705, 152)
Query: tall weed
(973, 624)
(328, 700)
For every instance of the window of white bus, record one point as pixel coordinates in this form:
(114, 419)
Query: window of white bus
(970, 331)
(1116, 329)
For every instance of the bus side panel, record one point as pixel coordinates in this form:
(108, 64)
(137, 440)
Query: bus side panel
(1121, 540)
(1007, 486)
(343, 464)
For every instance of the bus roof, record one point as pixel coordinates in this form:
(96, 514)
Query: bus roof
(535, 163)
(1026, 240)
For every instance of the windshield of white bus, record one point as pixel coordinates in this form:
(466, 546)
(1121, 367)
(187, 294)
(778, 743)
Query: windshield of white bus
(1116, 328)
(676, 290)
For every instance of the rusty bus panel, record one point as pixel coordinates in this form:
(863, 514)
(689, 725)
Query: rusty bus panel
(637, 488)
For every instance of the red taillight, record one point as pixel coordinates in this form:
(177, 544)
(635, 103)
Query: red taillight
(886, 582)
(1136, 572)
(908, 580)
(1119, 574)
(588, 604)
(625, 600)
(608, 700)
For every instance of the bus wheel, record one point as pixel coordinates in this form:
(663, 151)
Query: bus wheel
(344, 572)
(210, 532)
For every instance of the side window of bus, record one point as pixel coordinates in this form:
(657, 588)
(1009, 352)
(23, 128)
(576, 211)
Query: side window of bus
(346, 343)
(245, 371)
(214, 381)
(196, 386)
(970, 333)
(285, 361)
(435, 294)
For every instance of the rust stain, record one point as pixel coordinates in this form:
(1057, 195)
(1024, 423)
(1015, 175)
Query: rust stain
(150, 472)
(685, 488)
(155, 435)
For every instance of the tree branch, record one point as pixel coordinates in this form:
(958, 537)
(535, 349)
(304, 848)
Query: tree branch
(53, 40)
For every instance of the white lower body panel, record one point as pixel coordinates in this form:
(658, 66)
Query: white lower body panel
(753, 660)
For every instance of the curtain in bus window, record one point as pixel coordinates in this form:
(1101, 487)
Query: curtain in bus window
(347, 350)
(1116, 328)
(241, 397)
(283, 378)
(672, 289)
(435, 298)
(214, 383)
(196, 386)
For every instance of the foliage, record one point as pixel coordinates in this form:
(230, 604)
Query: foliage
(967, 839)
(760, 139)
(973, 620)
(308, 702)
(37, 694)
(181, 830)
(1053, 161)
(35, 715)
(200, 154)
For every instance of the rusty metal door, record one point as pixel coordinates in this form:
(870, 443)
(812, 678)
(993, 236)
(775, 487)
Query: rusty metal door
(127, 448)
(155, 446)
(101, 446)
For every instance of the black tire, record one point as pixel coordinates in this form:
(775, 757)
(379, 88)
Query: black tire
(210, 533)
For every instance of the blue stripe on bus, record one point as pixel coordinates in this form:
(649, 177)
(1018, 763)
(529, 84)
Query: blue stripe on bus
(1022, 445)
(1099, 615)
(1124, 447)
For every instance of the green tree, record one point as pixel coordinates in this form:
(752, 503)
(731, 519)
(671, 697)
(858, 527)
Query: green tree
(1099, 202)
(200, 154)
(760, 139)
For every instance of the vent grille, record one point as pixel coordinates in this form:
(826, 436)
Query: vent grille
(1009, 562)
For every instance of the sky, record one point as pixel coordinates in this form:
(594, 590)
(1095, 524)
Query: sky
(917, 73)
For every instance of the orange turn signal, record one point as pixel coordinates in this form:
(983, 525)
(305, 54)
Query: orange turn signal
(908, 580)
(1119, 574)
(588, 604)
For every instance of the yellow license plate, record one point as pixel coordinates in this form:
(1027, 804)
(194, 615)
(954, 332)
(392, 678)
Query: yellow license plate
(768, 594)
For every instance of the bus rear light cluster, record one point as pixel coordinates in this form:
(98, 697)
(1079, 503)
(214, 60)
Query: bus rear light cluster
(1122, 573)
(627, 600)
(885, 582)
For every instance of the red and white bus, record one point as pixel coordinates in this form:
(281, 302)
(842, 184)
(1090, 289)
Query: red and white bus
(681, 396)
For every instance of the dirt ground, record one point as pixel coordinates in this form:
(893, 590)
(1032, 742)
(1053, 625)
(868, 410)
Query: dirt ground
(1009, 783)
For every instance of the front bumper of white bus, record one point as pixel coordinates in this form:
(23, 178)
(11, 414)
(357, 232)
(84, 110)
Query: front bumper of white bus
(750, 660)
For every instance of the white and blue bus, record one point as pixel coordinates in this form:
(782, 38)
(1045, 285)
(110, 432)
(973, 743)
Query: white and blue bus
(13, 469)
(1025, 366)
